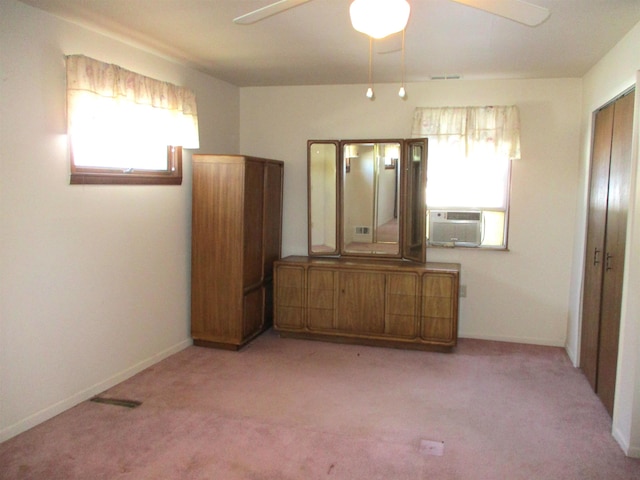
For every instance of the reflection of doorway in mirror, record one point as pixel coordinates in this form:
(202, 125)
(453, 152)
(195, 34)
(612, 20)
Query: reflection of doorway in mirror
(370, 200)
(386, 195)
(358, 196)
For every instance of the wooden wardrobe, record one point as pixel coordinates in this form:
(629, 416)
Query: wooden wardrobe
(605, 246)
(236, 237)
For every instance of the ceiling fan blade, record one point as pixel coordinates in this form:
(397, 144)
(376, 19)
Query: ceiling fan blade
(516, 10)
(267, 11)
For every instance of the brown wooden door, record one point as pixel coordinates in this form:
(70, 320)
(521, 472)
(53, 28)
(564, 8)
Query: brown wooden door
(216, 252)
(606, 234)
(596, 221)
(619, 186)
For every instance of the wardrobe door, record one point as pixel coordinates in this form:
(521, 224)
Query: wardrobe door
(253, 246)
(618, 202)
(597, 220)
(272, 216)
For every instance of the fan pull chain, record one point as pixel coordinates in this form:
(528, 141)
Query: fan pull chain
(402, 93)
(370, 94)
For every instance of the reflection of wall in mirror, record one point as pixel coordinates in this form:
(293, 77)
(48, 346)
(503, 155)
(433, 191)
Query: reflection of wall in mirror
(323, 195)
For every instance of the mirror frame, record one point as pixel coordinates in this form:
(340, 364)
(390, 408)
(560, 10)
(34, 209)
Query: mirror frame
(409, 178)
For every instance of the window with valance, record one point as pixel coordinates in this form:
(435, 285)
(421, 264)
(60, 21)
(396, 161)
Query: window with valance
(124, 127)
(469, 168)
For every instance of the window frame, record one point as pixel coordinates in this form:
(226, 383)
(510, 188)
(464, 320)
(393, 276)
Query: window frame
(506, 211)
(117, 176)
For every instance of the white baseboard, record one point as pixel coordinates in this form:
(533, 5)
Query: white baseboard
(573, 355)
(629, 450)
(527, 340)
(79, 397)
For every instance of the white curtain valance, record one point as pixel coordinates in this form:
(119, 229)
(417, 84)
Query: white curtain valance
(474, 131)
(94, 86)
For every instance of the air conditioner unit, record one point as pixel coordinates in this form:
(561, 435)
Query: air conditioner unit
(452, 228)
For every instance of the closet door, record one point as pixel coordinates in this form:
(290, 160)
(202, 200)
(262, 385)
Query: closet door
(605, 251)
(618, 204)
(597, 221)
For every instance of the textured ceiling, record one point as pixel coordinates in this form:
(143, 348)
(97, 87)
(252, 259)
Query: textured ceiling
(314, 43)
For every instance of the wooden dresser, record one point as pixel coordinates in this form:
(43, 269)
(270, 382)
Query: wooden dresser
(236, 237)
(392, 303)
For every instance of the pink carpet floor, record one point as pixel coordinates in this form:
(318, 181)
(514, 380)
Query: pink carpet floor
(294, 409)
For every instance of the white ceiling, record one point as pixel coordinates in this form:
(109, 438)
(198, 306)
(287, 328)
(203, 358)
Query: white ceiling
(314, 43)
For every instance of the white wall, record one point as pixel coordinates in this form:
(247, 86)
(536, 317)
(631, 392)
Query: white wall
(521, 295)
(611, 76)
(95, 279)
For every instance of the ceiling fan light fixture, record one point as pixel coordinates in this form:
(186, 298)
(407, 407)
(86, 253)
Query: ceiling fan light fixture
(379, 18)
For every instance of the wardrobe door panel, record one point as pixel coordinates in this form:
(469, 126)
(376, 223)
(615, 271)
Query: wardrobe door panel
(253, 311)
(253, 223)
(272, 216)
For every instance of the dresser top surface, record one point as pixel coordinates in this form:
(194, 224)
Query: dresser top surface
(368, 263)
(234, 159)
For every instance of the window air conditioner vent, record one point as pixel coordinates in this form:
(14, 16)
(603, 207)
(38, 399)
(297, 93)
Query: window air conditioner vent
(451, 228)
(472, 216)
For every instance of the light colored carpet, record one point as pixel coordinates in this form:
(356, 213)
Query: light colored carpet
(295, 409)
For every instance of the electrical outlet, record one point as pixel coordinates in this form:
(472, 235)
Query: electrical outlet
(463, 291)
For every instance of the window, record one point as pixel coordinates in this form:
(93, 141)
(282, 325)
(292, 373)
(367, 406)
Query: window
(469, 172)
(125, 128)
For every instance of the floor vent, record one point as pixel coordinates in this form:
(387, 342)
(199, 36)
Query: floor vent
(431, 447)
(119, 402)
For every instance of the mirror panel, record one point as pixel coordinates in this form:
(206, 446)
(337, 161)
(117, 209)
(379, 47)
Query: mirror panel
(367, 198)
(322, 197)
(414, 247)
(371, 198)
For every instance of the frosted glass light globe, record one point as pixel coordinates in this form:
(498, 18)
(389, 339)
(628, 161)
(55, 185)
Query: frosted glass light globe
(379, 18)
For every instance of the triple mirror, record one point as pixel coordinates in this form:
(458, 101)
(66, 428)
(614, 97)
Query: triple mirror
(367, 198)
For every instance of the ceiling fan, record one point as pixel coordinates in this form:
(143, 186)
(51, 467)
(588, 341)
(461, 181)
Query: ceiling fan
(517, 10)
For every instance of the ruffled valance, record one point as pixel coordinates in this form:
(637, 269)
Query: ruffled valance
(476, 131)
(96, 91)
